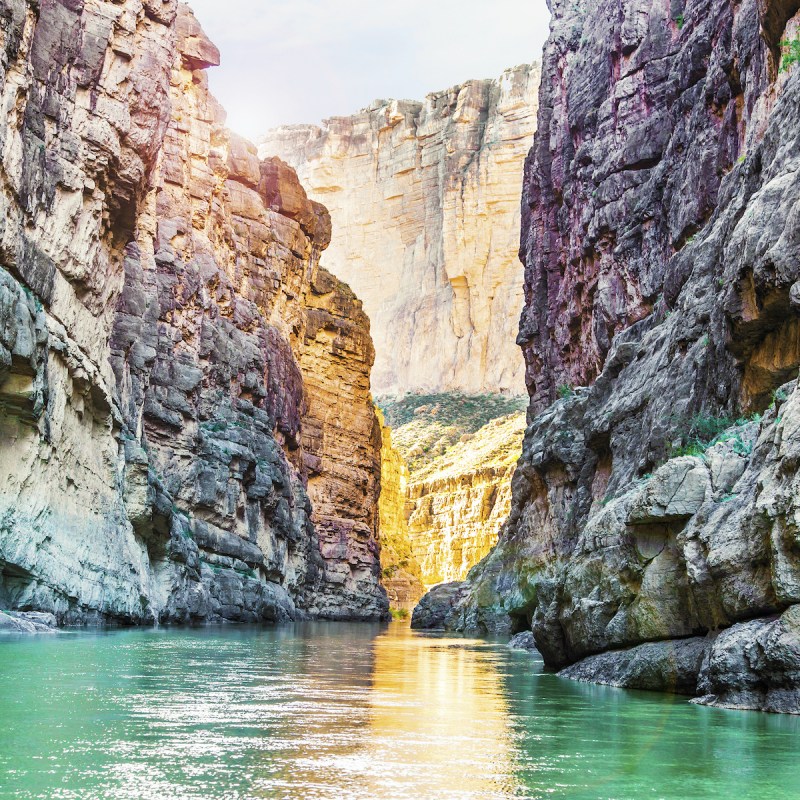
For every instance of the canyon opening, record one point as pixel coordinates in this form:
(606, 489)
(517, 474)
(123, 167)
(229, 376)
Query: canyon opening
(439, 447)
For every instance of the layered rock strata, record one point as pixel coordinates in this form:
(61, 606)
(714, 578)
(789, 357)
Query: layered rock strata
(402, 576)
(424, 199)
(342, 450)
(166, 334)
(655, 505)
(455, 455)
(457, 505)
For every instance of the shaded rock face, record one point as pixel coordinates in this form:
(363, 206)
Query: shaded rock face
(646, 109)
(425, 205)
(660, 195)
(161, 352)
(342, 452)
(435, 608)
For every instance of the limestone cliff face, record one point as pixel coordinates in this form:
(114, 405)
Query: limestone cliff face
(424, 199)
(447, 470)
(342, 450)
(458, 503)
(84, 97)
(160, 342)
(402, 575)
(653, 506)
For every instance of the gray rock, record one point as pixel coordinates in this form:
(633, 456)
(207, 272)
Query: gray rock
(755, 665)
(27, 622)
(659, 501)
(432, 611)
(523, 641)
(659, 666)
(676, 491)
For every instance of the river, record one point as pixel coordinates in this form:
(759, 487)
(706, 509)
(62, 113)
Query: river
(337, 711)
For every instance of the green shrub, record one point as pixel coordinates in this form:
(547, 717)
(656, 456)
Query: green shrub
(679, 21)
(694, 448)
(778, 396)
(565, 391)
(705, 430)
(399, 613)
(791, 53)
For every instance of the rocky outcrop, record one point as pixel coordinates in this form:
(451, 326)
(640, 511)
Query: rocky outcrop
(342, 451)
(165, 333)
(657, 504)
(434, 611)
(425, 205)
(30, 622)
(401, 572)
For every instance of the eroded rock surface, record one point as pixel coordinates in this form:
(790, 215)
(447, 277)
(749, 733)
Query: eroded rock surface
(425, 205)
(402, 575)
(458, 503)
(166, 337)
(661, 197)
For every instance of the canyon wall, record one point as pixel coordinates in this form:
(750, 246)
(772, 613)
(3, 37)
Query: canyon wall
(402, 576)
(167, 338)
(652, 540)
(458, 503)
(424, 199)
(455, 455)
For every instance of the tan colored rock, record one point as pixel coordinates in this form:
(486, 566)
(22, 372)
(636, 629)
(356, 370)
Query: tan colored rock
(458, 504)
(402, 576)
(342, 449)
(424, 199)
(238, 246)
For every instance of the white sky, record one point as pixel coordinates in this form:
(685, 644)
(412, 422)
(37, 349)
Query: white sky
(290, 61)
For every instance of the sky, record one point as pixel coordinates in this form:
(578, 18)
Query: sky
(300, 61)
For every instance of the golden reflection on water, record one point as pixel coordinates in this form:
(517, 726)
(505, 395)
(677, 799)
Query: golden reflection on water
(440, 703)
(429, 710)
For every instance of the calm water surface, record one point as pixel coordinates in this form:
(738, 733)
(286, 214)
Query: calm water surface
(355, 711)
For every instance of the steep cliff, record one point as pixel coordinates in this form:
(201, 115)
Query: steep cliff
(458, 503)
(161, 348)
(659, 503)
(424, 199)
(402, 576)
(342, 450)
(457, 454)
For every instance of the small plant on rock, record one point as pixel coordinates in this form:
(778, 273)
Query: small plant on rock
(791, 53)
(778, 396)
(565, 391)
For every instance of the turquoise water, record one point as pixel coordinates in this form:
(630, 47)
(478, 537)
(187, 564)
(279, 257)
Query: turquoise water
(355, 711)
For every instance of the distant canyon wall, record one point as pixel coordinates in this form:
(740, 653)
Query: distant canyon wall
(402, 575)
(424, 199)
(184, 392)
(458, 505)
